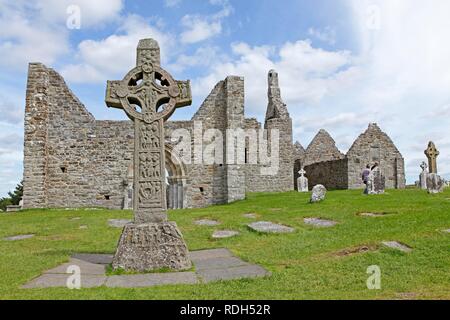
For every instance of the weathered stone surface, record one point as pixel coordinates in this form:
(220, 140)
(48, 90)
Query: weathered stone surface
(211, 265)
(95, 258)
(396, 245)
(151, 246)
(207, 222)
(371, 214)
(302, 181)
(239, 272)
(118, 223)
(338, 172)
(432, 153)
(376, 182)
(423, 176)
(19, 237)
(446, 231)
(222, 234)
(270, 227)
(83, 227)
(86, 268)
(197, 256)
(435, 183)
(250, 215)
(318, 193)
(150, 280)
(317, 222)
(60, 280)
(13, 208)
(61, 134)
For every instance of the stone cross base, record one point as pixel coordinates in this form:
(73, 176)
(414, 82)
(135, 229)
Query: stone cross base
(151, 246)
(435, 184)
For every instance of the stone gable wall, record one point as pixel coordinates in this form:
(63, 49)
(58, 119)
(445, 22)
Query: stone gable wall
(331, 174)
(73, 160)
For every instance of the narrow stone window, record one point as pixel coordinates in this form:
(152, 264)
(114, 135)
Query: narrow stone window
(107, 197)
(202, 189)
(63, 169)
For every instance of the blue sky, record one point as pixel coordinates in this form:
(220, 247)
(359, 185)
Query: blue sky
(342, 63)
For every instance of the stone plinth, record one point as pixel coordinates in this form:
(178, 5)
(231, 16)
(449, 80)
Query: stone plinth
(151, 246)
(435, 183)
(376, 183)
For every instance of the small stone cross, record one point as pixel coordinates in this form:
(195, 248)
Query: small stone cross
(432, 153)
(149, 96)
(424, 166)
(302, 172)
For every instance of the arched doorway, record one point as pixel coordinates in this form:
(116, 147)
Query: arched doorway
(175, 180)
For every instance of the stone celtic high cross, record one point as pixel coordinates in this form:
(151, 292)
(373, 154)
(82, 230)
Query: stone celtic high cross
(432, 153)
(149, 96)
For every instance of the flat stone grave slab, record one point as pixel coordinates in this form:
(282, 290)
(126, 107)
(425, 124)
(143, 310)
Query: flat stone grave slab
(446, 231)
(210, 265)
(207, 222)
(19, 237)
(118, 223)
(83, 227)
(372, 214)
(75, 218)
(397, 246)
(223, 234)
(269, 227)
(250, 215)
(321, 223)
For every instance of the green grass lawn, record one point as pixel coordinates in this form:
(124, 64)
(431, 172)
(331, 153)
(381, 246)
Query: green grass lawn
(304, 265)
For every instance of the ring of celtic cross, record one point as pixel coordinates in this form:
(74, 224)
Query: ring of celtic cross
(152, 89)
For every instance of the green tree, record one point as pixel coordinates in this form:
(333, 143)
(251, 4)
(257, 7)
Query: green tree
(13, 198)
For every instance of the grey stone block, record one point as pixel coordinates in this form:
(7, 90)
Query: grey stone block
(148, 280)
(19, 237)
(270, 227)
(86, 268)
(317, 222)
(397, 246)
(94, 258)
(219, 263)
(60, 280)
(209, 254)
(240, 272)
(222, 234)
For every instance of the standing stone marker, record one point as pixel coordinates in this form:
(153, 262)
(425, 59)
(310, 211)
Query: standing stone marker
(376, 182)
(318, 193)
(432, 153)
(302, 181)
(149, 96)
(435, 184)
(423, 176)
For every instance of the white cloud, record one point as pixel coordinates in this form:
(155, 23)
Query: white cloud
(36, 31)
(113, 56)
(10, 112)
(327, 34)
(200, 28)
(307, 74)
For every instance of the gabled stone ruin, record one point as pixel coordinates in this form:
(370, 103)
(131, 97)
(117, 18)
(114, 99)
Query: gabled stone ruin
(325, 164)
(73, 160)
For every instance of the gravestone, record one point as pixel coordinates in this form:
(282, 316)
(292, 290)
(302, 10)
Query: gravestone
(432, 153)
(302, 182)
(149, 96)
(318, 193)
(435, 184)
(423, 176)
(376, 182)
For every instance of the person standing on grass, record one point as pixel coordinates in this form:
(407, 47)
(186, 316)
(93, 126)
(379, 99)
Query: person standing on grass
(365, 177)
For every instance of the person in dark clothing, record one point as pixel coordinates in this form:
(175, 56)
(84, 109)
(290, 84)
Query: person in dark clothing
(365, 177)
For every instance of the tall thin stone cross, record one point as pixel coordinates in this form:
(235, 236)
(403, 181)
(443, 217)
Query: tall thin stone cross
(149, 96)
(432, 153)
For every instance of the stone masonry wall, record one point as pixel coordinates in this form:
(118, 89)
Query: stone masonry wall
(375, 146)
(331, 174)
(73, 160)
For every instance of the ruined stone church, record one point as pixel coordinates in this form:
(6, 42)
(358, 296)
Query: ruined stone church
(73, 160)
